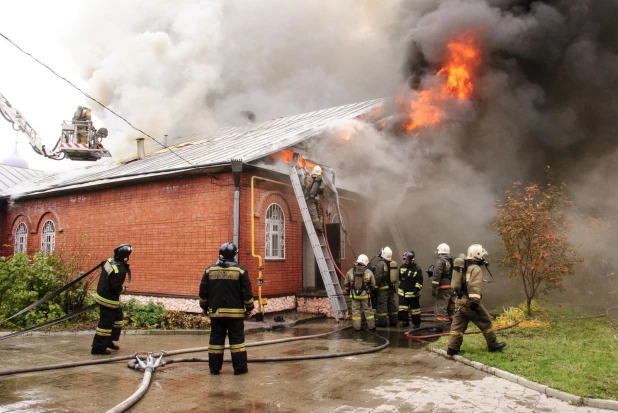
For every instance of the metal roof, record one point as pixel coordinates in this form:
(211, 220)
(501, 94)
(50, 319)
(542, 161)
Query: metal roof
(220, 146)
(13, 175)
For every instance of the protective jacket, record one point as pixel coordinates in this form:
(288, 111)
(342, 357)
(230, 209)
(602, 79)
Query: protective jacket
(314, 187)
(225, 290)
(442, 273)
(410, 280)
(474, 282)
(359, 280)
(383, 277)
(111, 283)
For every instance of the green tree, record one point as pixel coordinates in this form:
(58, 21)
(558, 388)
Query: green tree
(533, 228)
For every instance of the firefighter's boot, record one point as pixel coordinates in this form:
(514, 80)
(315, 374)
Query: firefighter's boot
(496, 347)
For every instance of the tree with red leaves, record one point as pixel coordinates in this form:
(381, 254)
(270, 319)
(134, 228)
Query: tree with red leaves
(534, 230)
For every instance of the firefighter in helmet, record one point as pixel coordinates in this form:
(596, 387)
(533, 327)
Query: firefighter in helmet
(314, 190)
(386, 280)
(467, 282)
(441, 285)
(83, 118)
(226, 295)
(113, 275)
(409, 291)
(359, 281)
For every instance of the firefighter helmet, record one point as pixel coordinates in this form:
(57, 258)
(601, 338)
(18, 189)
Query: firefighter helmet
(444, 249)
(386, 253)
(317, 171)
(362, 259)
(410, 255)
(476, 252)
(228, 251)
(122, 252)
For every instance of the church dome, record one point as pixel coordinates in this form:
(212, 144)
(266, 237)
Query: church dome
(15, 160)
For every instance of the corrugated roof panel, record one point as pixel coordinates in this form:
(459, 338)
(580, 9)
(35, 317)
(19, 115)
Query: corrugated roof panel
(12, 175)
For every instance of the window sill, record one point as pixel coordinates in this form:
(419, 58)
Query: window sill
(274, 259)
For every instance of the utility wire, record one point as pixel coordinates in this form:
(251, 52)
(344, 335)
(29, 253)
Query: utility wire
(93, 99)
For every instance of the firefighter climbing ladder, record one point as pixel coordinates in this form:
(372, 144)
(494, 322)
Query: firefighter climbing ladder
(320, 250)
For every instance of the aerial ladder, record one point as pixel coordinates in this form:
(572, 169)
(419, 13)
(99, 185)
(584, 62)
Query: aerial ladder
(320, 249)
(67, 145)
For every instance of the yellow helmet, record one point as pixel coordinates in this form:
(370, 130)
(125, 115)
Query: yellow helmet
(317, 171)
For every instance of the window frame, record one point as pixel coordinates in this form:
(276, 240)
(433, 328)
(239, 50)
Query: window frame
(48, 239)
(21, 246)
(268, 233)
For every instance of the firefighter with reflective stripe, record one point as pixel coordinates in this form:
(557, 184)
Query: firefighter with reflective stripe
(409, 291)
(441, 285)
(314, 190)
(226, 294)
(467, 282)
(110, 287)
(359, 282)
(386, 280)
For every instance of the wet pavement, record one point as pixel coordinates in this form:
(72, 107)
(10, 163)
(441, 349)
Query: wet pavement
(402, 378)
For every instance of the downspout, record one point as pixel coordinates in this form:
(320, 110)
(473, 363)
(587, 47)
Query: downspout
(236, 170)
(261, 301)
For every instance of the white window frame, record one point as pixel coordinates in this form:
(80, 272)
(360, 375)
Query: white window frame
(275, 218)
(21, 238)
(339, 219)
(48, 237)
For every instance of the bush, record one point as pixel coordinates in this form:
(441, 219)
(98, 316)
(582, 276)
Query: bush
(138, 315)
(22, 282)
(182, 320)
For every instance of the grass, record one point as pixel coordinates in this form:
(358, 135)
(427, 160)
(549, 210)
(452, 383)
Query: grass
(576, 356)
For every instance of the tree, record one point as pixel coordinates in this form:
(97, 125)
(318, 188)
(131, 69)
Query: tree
(533, 228)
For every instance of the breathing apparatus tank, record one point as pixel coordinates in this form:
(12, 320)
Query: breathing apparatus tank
(458, 280)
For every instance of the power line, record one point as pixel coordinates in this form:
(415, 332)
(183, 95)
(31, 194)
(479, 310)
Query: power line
(93, 99)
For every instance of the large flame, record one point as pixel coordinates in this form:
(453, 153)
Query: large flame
(456, 81)
(287, 156)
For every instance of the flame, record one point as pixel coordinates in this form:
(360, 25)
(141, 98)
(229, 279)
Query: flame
(287, 156)
(463, 58)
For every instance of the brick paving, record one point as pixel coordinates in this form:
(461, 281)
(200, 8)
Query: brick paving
(402, 378)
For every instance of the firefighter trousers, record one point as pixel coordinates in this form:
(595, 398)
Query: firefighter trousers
(108, 329)
(412, 304)
(234, 328)
(314, 205)
(480, 318)
(445, 305)
(362, 308)
(386, 311)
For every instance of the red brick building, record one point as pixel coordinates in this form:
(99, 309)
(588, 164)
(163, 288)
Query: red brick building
(176, 207)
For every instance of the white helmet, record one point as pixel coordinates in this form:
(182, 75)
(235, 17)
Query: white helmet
(317, 171)
(476, 252)
(362, 259)
(386, 253)
(444, 249)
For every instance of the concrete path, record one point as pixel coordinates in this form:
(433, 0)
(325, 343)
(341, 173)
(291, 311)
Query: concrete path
(402, 378)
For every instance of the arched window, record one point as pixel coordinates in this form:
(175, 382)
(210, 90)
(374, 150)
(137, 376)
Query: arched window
(275, 232)
(48, 238)
(339, 219)
(21, 238)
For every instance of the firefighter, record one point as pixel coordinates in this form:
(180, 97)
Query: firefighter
(359, 282)
(409, 291)
(107, 296)
(441, 285)
(314, 190)
(226, 294)
(386, 280)
(83, 118)
(467, 282)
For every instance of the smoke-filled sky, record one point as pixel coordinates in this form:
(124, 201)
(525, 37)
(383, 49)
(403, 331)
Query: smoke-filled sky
(546, 91)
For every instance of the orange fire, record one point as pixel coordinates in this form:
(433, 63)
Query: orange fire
(287, 156)
(463, 57)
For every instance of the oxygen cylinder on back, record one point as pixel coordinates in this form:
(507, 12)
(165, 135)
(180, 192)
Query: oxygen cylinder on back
(458, 274)
(394, 273)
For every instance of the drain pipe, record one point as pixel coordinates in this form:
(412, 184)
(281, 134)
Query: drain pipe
(236, 170)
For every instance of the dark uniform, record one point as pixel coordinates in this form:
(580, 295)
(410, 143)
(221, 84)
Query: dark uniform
(386, 310)
(359, 281)
(107, 296)
(226, 294)
(314, 190)
(467, 282)
(409, 291)
(441, 289)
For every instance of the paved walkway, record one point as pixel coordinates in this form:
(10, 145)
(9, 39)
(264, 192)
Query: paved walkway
(402, 378)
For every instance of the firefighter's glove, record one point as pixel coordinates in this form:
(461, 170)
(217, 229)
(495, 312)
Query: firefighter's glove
(415, 290)
(474, 306)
